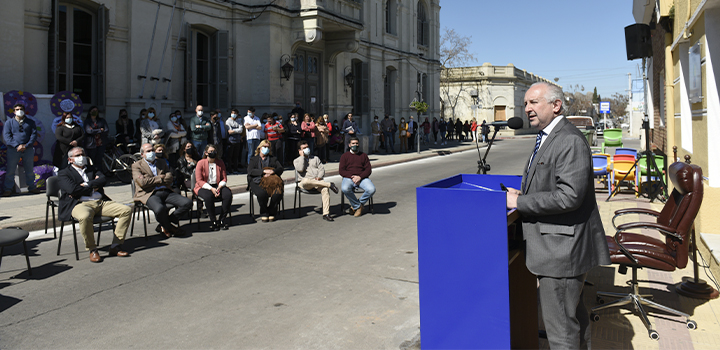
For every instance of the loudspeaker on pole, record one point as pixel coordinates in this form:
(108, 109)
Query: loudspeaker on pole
(637, 41)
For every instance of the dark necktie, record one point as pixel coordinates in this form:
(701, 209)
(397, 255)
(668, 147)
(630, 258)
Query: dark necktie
(537, 147)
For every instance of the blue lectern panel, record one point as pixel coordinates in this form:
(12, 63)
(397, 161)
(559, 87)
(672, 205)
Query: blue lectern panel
(463, 262)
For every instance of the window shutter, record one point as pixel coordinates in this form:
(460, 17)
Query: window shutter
(365, 89)
(189, 65)
(100, 56)
(53, 48)
(220, 80)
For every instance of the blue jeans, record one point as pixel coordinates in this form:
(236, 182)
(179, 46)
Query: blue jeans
(348, 186)
(252, 145)
(389, 141)
(13, 158)
(200, 146)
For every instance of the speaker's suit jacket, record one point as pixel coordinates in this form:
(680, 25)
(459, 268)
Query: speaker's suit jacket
(561, 222)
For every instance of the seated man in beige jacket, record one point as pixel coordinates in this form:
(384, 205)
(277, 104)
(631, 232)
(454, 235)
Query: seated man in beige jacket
(153, 181)
(311, 172)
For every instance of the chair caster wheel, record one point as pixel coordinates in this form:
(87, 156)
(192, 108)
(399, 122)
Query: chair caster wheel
(599, 300)
(653, 334)
(594, 317)
(691, 324)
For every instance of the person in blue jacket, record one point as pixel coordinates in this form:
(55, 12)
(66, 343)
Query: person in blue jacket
(20, 133)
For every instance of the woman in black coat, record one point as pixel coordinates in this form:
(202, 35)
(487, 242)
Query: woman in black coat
(264, 164)
(69, 134)
(185, 166)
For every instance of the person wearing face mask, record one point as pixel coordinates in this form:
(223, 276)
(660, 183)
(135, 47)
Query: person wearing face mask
(329, 125)
(124, 128)
(217, 135)
(253, 128)
(235, 130)
(211, 186)
(310, 173)
(82, 197)
(411, 132)
(274, 131)
(150, 129)
(141, 117)
(355, 169)
(153, 180)
(442, 126)
(175, 137)
(68, 135)
(387, 129)
(376, 131)
(96, 131)
(350, 128)
(403, 127)
(264, 180)
(199, 127)
(20, 133)
(185, 166)
(294, 133)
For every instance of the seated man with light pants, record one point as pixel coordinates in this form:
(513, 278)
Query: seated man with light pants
(82, 197)
(311, 173)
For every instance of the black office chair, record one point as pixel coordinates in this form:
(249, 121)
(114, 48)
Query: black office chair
(97, 220)
(11, 236)
(299, 191)
(252, 204)
(356, 190)
(199, 202)
(139, 206)
(52, 192)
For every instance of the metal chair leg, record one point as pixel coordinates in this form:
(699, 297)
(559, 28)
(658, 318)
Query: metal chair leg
(27, 257)
(54, 226)
(77, 255)
(132, 220)
(62, 227)
(144, 221)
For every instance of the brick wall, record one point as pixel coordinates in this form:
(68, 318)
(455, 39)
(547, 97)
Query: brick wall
(658, 135)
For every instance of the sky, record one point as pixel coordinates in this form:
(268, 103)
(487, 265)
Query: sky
(579, 41)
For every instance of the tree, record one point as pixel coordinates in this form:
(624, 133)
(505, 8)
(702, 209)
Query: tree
(577, 101)
(618, 104)
(595, 97)
(453, 53)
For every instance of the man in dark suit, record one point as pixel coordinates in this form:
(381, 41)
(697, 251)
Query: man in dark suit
(82, 197)
(561, 223)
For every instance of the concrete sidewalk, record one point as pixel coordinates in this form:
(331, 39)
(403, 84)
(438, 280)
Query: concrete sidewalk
(28, 211)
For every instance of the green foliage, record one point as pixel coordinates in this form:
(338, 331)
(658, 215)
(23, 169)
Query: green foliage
(421, 107)
(595, 98)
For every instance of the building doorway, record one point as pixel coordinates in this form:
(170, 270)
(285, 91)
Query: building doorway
(308, 81)
(500, 114)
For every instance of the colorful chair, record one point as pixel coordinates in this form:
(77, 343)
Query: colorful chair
(623, 171)
(602, 168)
(629, 157)
(631, 151)
(612, 138)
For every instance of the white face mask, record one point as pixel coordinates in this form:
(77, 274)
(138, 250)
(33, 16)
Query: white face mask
(306, 151)
(68, 120)
(150, 156)
(20, 113)
(234, 116)
(79, 161)
(264, 150)
(199, 113)
(151, 115)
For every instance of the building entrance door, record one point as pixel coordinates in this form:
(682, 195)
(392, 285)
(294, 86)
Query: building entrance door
(308, 88)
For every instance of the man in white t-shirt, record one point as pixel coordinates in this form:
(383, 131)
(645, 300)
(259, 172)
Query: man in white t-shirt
(253, 127)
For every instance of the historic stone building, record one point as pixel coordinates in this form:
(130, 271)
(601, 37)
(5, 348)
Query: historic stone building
(368, 57)
(500, 91)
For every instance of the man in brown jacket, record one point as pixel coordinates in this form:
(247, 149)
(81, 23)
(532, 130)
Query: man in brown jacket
(153, 182)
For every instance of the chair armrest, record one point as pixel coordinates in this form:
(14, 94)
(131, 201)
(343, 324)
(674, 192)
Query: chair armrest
(627, 211)
(623, 249)
(665, 230)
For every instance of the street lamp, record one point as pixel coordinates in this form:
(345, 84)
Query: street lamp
(286, 68)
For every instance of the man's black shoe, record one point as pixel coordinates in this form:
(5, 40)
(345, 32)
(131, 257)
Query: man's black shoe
(158, 228)
(328, 217)
(333, 187)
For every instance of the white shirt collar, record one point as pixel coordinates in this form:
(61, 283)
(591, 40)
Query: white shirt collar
(548, 129)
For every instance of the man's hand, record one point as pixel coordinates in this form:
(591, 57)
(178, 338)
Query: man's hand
(356, 179)
(319, 178)
(73, 143)
(20, 148)
(512, 196)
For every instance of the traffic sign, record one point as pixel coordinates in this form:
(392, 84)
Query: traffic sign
(605, 107)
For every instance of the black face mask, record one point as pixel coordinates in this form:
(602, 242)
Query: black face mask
(212, 154)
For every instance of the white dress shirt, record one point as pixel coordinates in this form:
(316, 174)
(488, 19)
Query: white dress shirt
(95, 195)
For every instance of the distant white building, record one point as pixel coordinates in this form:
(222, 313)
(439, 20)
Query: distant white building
(500, 92)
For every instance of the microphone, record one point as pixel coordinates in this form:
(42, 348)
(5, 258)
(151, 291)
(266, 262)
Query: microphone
(512, 123)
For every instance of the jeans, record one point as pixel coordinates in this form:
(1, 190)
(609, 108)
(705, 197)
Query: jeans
(13, 158)
(200, 145)
(348, 186)
(389, 142)
(252, 145)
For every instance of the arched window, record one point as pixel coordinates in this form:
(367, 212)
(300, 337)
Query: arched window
(391, 16)
(423, 26)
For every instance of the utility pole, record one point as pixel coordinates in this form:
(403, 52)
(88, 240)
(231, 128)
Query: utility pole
(629, 105)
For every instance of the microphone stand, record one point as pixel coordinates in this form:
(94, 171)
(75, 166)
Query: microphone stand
(483, 166)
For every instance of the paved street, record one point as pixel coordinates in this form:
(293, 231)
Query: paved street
(295, 283)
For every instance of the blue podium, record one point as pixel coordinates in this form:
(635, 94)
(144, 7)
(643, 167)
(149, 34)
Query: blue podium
(475, 291)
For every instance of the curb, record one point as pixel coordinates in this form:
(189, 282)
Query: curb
(39, 223)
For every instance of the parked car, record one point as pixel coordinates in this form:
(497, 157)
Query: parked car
(587, 126)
